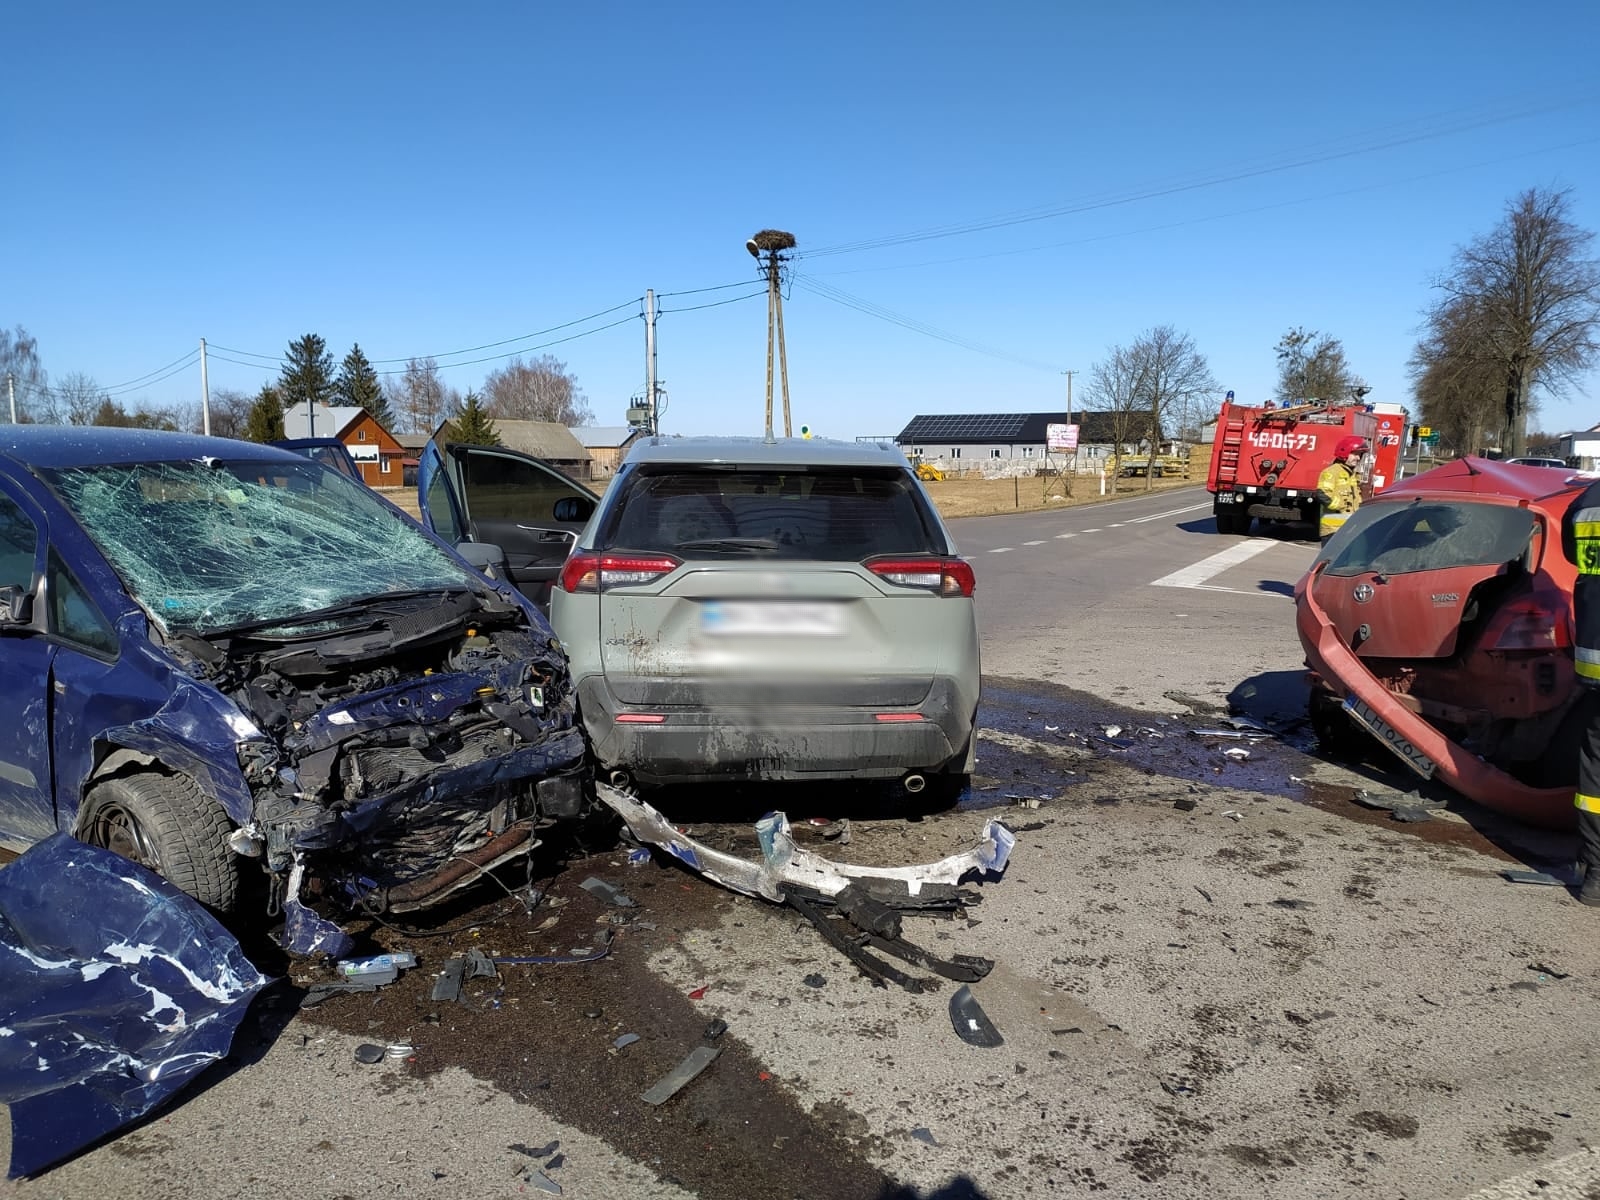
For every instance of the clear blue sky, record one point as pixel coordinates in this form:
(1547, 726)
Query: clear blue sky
(425, 178)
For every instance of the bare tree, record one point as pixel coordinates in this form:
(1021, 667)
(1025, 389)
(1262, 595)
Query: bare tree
(77, 399)
(230, 413)
(19, 359)
(1312, 366)
(540, 390)
(1520, 305)
(418, 398)
(1457, 392)
(1149, 388)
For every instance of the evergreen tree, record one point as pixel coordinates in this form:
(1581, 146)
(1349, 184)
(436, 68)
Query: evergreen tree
(358, 386)
(307, 374)
(265, 423)
(472, 425)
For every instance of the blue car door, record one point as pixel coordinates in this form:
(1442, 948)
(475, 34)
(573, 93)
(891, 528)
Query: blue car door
(27, 806)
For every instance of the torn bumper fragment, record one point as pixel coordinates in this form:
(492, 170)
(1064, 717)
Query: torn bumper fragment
(786, 867)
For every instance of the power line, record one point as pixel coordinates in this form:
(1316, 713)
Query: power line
(520, 338)
(721, 287)
(871, 309)
(713, 304)
(524, 350)
(183, 366)
(184, 361)
(1459, 124)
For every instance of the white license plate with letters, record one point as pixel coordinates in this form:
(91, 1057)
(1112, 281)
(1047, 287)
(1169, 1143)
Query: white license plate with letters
(771, 618)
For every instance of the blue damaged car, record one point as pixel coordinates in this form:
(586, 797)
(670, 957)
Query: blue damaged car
(214, 653)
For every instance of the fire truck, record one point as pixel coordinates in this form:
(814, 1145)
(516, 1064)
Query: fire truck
(1265, 461)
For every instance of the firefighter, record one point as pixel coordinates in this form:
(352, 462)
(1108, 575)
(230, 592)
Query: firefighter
(1339, 486)
(1580, 538)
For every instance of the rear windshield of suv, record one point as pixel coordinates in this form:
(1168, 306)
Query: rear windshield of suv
(779, 513)
(1428, 535)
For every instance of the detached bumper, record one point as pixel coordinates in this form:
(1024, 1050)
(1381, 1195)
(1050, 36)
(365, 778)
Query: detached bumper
(1329, 656)
(777, 743)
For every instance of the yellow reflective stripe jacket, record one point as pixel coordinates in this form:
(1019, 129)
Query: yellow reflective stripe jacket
(1341, 486)
(1580, 540)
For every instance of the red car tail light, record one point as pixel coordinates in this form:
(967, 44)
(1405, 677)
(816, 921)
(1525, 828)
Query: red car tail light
(942, 576)
(598, 572)
(1537, 622)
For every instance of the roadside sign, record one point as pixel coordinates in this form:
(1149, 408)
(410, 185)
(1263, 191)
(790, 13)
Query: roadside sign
(1060, 437)
(1425, 431)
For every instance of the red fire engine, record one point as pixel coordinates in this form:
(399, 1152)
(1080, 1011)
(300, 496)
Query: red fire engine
(1265, 461)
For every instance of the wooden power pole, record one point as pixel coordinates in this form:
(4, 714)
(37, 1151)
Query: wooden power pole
(767, 248)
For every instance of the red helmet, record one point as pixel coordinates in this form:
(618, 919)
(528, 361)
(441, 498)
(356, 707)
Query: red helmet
(1350, 445)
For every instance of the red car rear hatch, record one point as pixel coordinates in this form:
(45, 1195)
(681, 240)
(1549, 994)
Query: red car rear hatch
(1418, 744)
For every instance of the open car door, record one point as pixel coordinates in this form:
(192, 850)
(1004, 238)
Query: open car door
(525, 506)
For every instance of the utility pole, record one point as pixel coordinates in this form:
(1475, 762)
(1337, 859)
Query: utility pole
(650, 361)
(1079, 438)
(205, 393)
(772, 243)
(11, 392)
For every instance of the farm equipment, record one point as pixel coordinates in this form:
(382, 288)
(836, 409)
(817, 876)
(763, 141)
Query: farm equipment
(1265, 462)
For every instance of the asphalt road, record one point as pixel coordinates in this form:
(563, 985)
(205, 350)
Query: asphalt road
(1216, 976)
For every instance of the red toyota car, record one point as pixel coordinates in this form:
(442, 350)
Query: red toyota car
(1439, 621)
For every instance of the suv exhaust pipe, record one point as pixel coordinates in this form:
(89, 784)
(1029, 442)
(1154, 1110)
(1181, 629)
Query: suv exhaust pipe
(620, 779)
(914, 783)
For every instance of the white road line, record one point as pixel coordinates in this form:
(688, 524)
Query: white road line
(1177, 512)
(1040, 542)
(1088, 531)
(1116, 525)
(1066, 535)
(1196, 576)
(1001, 550)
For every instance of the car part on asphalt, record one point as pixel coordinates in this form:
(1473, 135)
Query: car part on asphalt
(119, 989)
(971, 1023)
(607, 893)
(675, 1080)
(785, 865)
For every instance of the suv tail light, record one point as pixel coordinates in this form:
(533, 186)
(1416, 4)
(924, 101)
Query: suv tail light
(942, 576)
(1536, 622)
(601, 572)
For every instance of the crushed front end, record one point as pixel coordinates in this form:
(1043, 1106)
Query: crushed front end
(397, 757)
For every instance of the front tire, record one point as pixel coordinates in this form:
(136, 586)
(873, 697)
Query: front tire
(165, 823)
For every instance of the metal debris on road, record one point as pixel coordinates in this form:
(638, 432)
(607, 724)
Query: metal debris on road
(675, 1080)
(369, 1054)
(625, 1041)
(1410, 813)
(448, 984)
(971, 1023)
(785, 865)
(377, 969)
(1184, 805)
(1539, 878)
(1237, 753)
(1205, 895)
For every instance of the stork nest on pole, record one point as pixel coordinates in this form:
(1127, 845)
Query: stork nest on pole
(774, 239)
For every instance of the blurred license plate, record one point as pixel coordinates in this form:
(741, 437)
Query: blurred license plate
(766, 617)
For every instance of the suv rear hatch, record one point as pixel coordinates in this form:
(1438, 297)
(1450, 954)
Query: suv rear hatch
(731, 587)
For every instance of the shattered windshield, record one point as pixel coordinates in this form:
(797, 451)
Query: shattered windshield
(1428, 535)
(209, 544)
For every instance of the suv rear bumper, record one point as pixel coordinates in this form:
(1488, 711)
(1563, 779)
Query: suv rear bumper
(780, 742)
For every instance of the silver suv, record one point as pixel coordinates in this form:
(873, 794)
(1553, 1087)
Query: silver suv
(796, 610)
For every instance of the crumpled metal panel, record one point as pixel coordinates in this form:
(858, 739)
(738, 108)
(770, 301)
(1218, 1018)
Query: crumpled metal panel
(116, 990)
(786, 864)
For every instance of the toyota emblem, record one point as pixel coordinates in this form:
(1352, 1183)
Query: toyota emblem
(1363, 593)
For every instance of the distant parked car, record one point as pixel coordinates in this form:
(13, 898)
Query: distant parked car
(212, 651)
(330, 452)
(1558, 463)
(793, 610)
(1439, 619)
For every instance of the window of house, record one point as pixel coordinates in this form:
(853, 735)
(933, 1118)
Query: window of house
(1027, 452)
(384, 469)
(955, 452)
(916, 451)
(995, 453)
(361, 435)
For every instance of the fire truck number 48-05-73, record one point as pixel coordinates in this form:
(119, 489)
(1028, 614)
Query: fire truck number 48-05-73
(1283, 441)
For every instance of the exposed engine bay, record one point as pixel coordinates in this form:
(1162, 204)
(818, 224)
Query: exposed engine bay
(397, 747)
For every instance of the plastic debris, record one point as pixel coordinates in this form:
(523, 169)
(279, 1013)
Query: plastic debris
(448, 985)
(542, 1181)
(378, 969)
(814, 980)
(556, 1161)
(699, 993)
(1540, 878)
(923, 1134)
(675, 1080)
(1234, 814)
(715, 1030)
(1052, 729)
(786, 865)
(971, 1023)
(544, 1151)
(1410, 813)
(625, 1040)
(1184, 805)
(604, 891)
(637, 858)
(369, 1054)
(1112, 731)
(1237, 753)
